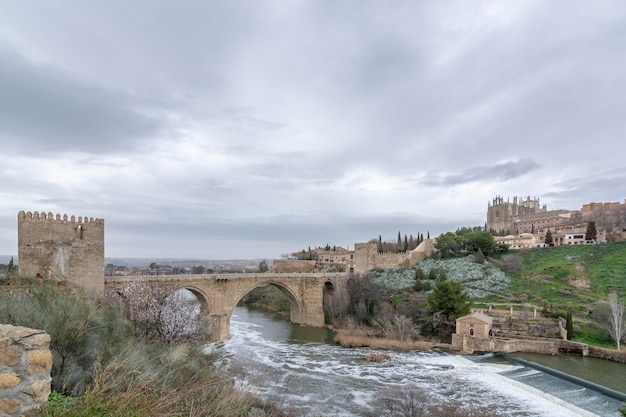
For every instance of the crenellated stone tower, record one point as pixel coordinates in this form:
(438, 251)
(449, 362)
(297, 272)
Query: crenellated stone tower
(61, 248)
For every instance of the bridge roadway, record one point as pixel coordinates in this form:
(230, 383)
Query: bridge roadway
(219, 294)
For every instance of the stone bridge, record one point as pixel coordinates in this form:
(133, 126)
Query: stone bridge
(219, 294)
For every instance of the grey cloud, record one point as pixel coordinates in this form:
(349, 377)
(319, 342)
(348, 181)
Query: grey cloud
(595, 187)
(267, 237)
(500, 172)
(44, 110)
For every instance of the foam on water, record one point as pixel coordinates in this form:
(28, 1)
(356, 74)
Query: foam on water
(317, 378)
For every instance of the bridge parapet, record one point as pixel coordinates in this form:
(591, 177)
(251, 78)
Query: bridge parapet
(264, 275)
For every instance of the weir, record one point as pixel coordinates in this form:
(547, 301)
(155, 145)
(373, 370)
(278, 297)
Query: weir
(578, 381)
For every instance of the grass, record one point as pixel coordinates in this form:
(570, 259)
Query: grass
(570, 278)
(594, 336)
(558, 276)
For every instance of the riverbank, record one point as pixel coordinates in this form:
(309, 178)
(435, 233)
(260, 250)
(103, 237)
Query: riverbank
(367, 338)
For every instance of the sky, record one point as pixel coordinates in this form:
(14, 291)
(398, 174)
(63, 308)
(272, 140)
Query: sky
(251, 129)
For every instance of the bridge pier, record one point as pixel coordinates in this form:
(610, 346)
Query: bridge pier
(220, 327)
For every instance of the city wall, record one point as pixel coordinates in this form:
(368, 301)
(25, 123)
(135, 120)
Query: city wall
(62, 248)
(25, 365)
(367, 257)
(293, 266)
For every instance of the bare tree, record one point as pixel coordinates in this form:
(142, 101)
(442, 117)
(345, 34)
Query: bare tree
(162, 315)
(398, 327)
(616, 326)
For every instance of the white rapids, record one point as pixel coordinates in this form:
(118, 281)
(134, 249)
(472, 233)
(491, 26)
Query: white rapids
(315, 378)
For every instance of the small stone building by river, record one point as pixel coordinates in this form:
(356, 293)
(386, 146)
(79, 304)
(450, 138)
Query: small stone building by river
(475, 324)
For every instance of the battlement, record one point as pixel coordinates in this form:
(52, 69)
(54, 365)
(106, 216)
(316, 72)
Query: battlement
(525, 202)
(38, 217)
(62, 248)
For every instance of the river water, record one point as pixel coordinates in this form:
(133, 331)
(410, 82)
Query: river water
(301, 369)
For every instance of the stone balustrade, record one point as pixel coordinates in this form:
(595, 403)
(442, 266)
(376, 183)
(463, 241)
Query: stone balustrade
(25, 365)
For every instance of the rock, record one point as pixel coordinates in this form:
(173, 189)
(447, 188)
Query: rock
(377, 357)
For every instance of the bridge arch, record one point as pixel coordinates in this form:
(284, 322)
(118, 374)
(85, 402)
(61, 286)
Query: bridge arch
(203, 299)
(295, 301)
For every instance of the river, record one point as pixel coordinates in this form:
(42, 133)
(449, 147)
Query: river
(303, 371)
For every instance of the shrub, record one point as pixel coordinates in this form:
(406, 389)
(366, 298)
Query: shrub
(156, 380)
(479, 280)
(83, 330)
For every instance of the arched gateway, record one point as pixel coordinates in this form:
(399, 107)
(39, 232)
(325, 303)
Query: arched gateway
(219, 294)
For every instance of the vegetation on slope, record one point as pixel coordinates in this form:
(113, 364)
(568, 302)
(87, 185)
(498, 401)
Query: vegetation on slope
(570, 278)
(106, 364)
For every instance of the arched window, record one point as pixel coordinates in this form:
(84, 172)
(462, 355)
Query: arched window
(497, 213)
(471, 332)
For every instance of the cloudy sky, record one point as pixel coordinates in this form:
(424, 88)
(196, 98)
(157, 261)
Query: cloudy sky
(248, 129)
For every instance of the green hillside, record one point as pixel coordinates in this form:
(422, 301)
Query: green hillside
(568, 277)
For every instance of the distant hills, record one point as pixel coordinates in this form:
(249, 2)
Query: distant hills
(179, 262)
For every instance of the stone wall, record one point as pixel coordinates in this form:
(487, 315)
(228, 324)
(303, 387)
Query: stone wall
(61, 248)
(293, 266)
(367, 257)
(25, 364)
(468, 344)
(609, 354)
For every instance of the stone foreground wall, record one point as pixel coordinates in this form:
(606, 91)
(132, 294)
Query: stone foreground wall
(25, 365)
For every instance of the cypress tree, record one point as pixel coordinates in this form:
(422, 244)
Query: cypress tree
(569, 326)
(548, 238)
(10, 267)
(592, 232)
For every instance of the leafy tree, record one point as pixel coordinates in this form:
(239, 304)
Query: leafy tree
(569, 325)
(263, 266)
(154, 266)
(198, 269)
(465, 230)
(476, 240)
(449, 299)
(548, 239)
(448, 244)
(591, 233)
